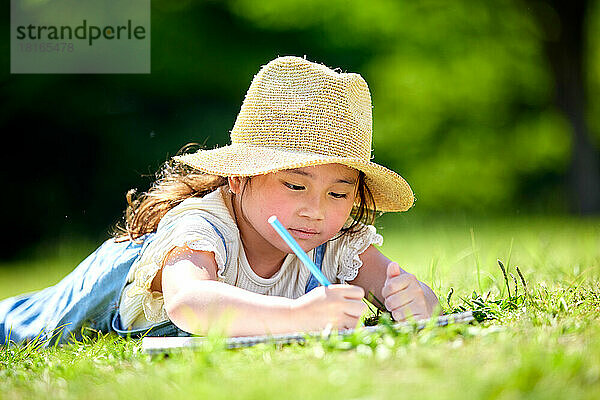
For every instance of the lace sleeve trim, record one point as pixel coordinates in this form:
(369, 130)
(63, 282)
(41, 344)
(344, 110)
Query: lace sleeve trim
(355, 245)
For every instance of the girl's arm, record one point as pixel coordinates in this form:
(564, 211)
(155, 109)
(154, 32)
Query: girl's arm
(196, 302)
(401, 292)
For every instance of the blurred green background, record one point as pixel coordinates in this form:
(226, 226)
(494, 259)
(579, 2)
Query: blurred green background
(486, 108)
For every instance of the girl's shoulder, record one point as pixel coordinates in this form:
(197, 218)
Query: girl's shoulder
(211, 207)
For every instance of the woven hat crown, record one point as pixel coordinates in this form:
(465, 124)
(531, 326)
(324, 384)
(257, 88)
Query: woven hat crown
(293, 104)
(298, 114)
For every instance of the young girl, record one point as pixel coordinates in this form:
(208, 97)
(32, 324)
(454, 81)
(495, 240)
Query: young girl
(197, 250)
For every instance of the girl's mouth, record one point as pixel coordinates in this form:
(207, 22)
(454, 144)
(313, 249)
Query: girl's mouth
(303, 233)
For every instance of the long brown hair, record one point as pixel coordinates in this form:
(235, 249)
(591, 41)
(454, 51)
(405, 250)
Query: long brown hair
(364, 210)
(176, 182)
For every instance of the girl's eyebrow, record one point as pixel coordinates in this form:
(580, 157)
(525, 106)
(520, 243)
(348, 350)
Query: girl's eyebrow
(348, 181)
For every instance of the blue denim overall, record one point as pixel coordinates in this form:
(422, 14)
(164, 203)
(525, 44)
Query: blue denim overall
(89, 297)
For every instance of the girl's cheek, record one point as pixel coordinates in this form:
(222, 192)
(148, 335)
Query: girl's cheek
(340, 218)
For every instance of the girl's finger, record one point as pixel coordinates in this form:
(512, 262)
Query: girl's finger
(398, 301)
(397, 284)
(355, 308)
(353, 292)
(349, 322)
(393, 269)
(414, 309)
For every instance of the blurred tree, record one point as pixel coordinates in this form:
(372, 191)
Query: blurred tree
(462, 94)
(564, 24)
(464, 100)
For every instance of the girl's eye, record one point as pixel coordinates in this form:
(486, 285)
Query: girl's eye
(338, 195)
(300, 187)
(293, 187)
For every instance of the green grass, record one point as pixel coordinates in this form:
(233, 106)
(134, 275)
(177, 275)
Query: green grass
(540, 342)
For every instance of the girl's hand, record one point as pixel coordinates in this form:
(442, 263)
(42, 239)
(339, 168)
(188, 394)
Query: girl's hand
(338, 305)
(404, 296)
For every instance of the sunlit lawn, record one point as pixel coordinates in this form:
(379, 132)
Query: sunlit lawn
(544, 342)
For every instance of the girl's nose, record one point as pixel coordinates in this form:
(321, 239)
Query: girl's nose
(312, 208)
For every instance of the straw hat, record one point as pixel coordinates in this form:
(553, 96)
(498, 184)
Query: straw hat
(296, 114)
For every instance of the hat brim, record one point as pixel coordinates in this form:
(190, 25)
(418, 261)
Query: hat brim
(390, 191)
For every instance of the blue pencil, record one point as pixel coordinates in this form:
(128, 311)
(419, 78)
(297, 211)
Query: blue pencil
(285, 235)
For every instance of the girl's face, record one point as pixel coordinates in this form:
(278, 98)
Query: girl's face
(312, 203)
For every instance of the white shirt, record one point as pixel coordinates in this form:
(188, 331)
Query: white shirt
(188, 224)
